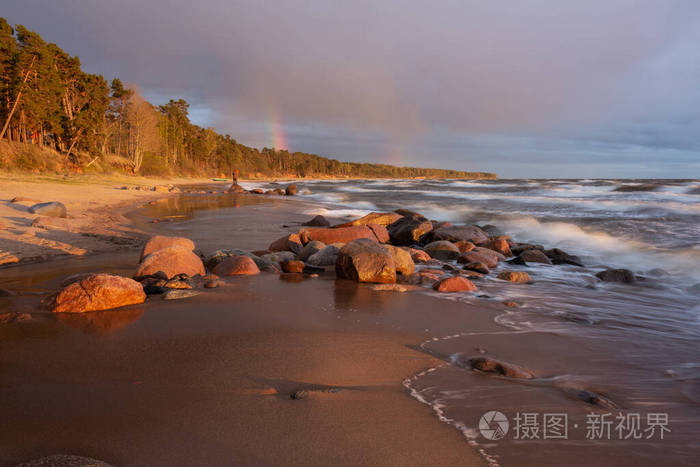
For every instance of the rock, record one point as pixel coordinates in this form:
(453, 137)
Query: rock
(403, 263)
(411, 214)
(172, 261)
(491, 365)
(154, 289)
(517, 261)
(177, 294)
(14, 317)
(440, 225)
(96, 292)
(237, 265)
(339, 235)
(534, 256)
(492, 230)
(317, 221)
(418, 256)
(624, 276)
(378, 218)
(363, 260)
(434, 262)
(463, 246)
(499, 244)
(177, 284)
(64, 460)
(511, 304)
(379, 232)
(408, 230)
(159, 242)
(292, 266)
(51, 209)
(442, 250)
(279, 257)
(489, 252)
(475, 257)
(290, 242)
(291, 190)
(213, 283)
(221, 255)
(470, 233)
(50, 223)
(314, 246)
(19, 199)
(325, 257)
(519, 277)
(454, 284)
(517, 248)
(260, 253)
(558, 256)
(468, 273)
(236, 188)
(478, 267)
(389, 288)
(256, 191)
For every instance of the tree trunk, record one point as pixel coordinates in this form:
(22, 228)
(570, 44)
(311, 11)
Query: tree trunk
(19, 96)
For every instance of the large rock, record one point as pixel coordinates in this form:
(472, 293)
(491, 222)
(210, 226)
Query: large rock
(489, 252)
(464, 246)
(317, 221)
(237, 265)
(219, 256)
(477, 267)
(96, 292)
(534, 256)
(517, 248)
(236, 188)
(52, 209)
(454, 284)
(159, 242)
(519, 277)
(313, 247)
(470, 233)
(292, 266)
(290, 242)
(378, 218)
(291, 190)
(616, 275)
(340, 235)
(327, 256)
(499, 244)
(172, 261)
(380, 232)
(442, 250)
(403, 263)
(408, 230)
(418, 256)
(475, 257)
(558, 256)
(363, 260)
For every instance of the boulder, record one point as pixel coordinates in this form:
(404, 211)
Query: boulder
(314, 246)
(327, 256)
(403, 263)
(491, 365)
(278, 257)
(454, 284)
(317, 221)
(159, 242)
(489, 252)
(418, 256)
(219, 256)
(51, 209)
(292, 266)
(517, 248)
(442, 250)
(408, 230)
(470, 233)
(477, 267)
(519, 277)
(290, 242)
(50, 223)
(534, 256)
(339, 235)
(237, 265)
(558, 256)
(463, 246)
(380, 233)
(378, 218)
(364, 260)
(291, 190)
(172, 261)
(411, 214)
(96, 292)
(499, 244)
(624, 276)
(475, 257)
(236, 188)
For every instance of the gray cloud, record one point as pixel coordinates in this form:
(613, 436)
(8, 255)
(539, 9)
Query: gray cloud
(539, 87)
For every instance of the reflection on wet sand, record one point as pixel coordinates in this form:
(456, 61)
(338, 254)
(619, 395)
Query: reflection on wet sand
(101, 322)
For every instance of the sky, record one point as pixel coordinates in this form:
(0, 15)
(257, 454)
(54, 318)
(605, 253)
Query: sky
(527, 88)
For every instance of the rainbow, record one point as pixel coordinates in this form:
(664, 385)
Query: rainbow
(277, 138)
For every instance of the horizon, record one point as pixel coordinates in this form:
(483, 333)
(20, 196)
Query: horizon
(602, 91)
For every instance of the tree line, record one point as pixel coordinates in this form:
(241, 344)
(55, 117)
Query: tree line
(46, 99)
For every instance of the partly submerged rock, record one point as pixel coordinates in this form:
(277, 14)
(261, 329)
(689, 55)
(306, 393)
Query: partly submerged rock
(534, 256)
(475, 257)
(443, 250)
(624, 276)
(339, 235)
(558, 256)
(499, 244)
(477, 267)
(497, 367)
(317, 221)
(314, 246)
(237, 265)
(408, 230)
(327, 256)
(96, 292)
(291, 189)
(470, 233)
(519, 277)
(455, 284)
(172, 261)
(363, 260)
(292, 266)
(290, 242)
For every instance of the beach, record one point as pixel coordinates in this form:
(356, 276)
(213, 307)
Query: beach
(297, 369)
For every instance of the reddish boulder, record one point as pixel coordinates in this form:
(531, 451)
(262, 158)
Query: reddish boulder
(403, 262)
(379, 232)
(617, 275)
(454, 284)
(534, 256)
(442, 250)
(290, 242)
(96, 292)
(378, 218)
(171, 261)
(464, 246)
(237, 265)
(477, 267)
(499, 244)
(475, 257)
(339, 235)
(364, 260)
(408, 230)
(159, 242)
(292, 266)
(418, 256)
(519, 277)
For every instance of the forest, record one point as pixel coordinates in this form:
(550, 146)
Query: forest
(55, 117)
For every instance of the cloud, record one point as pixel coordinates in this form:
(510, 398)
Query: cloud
(392, 75)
